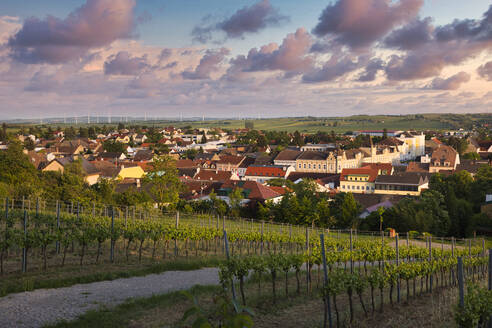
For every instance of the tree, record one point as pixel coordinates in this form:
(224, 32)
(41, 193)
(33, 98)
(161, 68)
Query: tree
(164, 182)
(29, 144)
(235, 198)
(17, 172)
(298, 140)
(471, 155)
(349, 211)
(249, 125)
(112, 146)
(204, 137)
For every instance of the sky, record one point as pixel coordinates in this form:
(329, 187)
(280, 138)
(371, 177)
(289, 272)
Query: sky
(236, 59)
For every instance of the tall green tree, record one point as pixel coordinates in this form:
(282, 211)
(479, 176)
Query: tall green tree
(163, 180)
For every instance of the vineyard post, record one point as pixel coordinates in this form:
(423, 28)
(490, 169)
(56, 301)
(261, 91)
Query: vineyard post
(490, 279)
(460, 282)
(261, 241)
(57, 226)
(431, 280)
(397, 264)
(452, 246)
(290, 237)
(37, 207)
(325, 271)
(483, 247)
(351, 257)
(469, 247)
(308, 254)
(226, 246)
(78, 211)
(23, 200)
(126, 215)
(112, 237)
(176, 238)
(24, 249)
(382, 250)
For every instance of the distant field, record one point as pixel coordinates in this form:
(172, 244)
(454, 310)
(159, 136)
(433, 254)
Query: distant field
(314, 124)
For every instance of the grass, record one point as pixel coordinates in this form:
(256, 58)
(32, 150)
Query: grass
(125, 314)
(65, 277)
(303, 310)
(311, 124)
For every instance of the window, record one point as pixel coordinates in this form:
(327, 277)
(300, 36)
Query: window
(358, 187)
(309, 165)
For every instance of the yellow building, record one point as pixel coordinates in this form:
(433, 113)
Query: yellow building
(130, 172)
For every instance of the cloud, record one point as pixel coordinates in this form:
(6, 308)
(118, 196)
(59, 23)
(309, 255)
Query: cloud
(124, 64)
(208, 64)
(246, 20)
(451, 44)
(335, 67)
(485, 71)
(290, 56)
(358, 24)
(372, 68)
(95, 24)
(411, 35)
(479, 30)
(451, 83)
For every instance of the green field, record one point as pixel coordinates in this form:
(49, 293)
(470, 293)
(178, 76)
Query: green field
(419, 122)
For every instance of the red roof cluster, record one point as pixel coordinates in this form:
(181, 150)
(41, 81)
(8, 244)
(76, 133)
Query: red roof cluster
(266, 171)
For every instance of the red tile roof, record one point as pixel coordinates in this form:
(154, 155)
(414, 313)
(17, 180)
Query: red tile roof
(230, 159)
(266, 171)
(252, 189)
(182, 163)
(366, 170)
(209, 175)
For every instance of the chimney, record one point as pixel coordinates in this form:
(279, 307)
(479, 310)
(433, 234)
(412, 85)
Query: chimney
(138, 183)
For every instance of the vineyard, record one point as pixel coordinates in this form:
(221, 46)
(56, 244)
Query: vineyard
(362, 268)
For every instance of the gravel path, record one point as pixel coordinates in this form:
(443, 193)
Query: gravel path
(45, 306)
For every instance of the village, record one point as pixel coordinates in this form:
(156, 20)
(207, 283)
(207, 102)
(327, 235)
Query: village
(379, 167)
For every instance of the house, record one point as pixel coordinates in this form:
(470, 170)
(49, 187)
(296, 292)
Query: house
(359, 180)
(144, 155)
(319, 147)
(229, 163)
(263, 173)
(112, 157)
(107, 169)
(378, 133)
(253, 192)
(312, 161)
(123, 138)
(199, 190)
(471, 166)
(139, 138)
(36, 159)
(444, 158)
(287, 157)
(484, 147)
(417, 167)
(221, 176)
(91, 173)
(366, 212)
(408, 183)
(129, 171)
(415, 144)
(241, 171)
